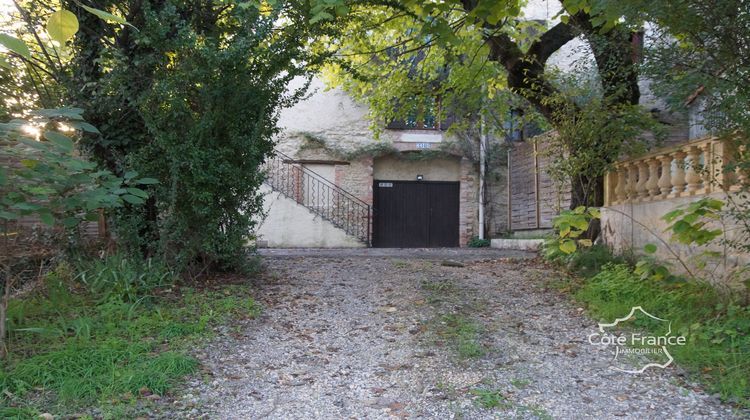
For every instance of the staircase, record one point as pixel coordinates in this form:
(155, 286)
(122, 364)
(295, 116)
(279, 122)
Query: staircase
(320, 196)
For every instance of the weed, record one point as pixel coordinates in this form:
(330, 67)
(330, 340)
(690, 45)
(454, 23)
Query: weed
(589, 261)
(123, 278)
(535, 411)
(520, 383)
(490, 399)
(463, 334)
(400, 263)
(438, 286)
(475, 242)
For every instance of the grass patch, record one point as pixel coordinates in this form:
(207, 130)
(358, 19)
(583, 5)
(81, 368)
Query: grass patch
(400, 264)
(490, 399)
(717, 329)
(463, 334)
(74, 346)
(520, 383)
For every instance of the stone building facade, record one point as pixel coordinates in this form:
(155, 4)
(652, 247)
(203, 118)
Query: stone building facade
(329, 137)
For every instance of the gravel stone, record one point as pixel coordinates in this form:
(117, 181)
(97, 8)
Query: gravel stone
(352, 335)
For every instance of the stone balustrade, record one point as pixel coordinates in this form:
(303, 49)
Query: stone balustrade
(691, 169)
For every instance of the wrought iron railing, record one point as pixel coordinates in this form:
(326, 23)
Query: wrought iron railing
(320, 196)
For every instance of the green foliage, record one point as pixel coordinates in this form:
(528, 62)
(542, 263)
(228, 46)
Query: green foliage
(592, 131)
(463, 334)
(87, 350)
(590, 261)
(123, 279)
(718, 331)
(688, 223)
(207, 150)
(475, 242)
(193, 102)
(401, 59)
(570, 225)
(50, 180)
(490, 398)
(698, 50)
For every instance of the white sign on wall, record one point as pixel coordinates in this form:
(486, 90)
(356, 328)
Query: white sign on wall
(421, 137)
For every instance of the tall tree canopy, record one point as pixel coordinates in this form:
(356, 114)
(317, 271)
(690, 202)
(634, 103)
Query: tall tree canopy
(484, 57)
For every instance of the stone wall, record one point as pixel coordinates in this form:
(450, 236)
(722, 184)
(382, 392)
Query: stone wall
(468, 202)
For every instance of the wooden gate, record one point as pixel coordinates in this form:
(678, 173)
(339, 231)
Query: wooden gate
(415, 214)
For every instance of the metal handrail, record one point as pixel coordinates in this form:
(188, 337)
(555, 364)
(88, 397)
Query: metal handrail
(290, 160)
(320, 196)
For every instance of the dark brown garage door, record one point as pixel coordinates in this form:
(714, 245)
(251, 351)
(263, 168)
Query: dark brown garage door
(415, 214)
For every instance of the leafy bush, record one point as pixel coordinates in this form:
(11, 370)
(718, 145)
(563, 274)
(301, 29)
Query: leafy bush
(195, 108)
(51, 181)
(570, 225)
(475, 242)
(717, 330)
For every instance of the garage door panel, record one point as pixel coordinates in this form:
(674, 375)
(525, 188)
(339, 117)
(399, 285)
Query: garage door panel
(444, 213)
(416, 214)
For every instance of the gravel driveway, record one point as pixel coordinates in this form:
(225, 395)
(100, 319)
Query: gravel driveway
(402, 335)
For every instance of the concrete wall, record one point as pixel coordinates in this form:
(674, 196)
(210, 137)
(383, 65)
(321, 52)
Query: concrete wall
(290, 225)
(623, 234)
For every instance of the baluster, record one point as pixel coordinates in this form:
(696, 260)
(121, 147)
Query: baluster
(665, 181)
(621, 191)
(678, 179)
(632, 181)
(640, 187)
(693, 177)
(742, 173)
(652, 185)
(707, 173)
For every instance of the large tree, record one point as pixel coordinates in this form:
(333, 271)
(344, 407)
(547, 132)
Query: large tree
(469, 52)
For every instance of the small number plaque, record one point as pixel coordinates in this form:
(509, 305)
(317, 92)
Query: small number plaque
(424, 145)
(385, 184)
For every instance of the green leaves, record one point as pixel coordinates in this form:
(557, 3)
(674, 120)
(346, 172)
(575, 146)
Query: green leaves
(61, 141)
(570, 225)
(15, 45)
(147, 181)
(324, 10)
(690, 224)
(568, 246)
(106, 16)
(62, 25)
(53, 183)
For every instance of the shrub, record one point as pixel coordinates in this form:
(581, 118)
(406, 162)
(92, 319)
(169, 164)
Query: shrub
(475, 242)
(570, 226)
